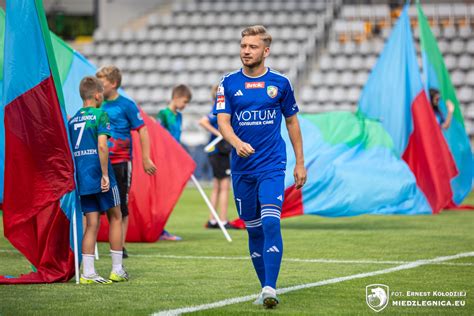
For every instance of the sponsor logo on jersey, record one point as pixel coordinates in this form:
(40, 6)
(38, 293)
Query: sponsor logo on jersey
(220, 90)
(255, 85)
(139, 116)
(272, 91)
(238, 93)
(85, 152)
(90, 117)
(257, 117)
(220, 102)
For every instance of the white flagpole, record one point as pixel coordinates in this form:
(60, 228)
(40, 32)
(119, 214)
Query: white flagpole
(211, 208)
(76, 252)
(209, 147)
(96, 252)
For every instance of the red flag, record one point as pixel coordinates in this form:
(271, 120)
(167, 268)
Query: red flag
(38, 162)
(152, 198)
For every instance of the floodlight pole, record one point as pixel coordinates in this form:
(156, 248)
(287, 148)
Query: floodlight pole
(211, 208)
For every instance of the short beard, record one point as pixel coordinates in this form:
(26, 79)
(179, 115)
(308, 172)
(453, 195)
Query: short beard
(256, 64)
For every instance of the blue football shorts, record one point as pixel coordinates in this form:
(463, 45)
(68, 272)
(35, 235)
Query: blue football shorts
(259, 195)
(100, 202)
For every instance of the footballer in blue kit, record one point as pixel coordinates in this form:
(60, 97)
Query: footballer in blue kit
(250, 105)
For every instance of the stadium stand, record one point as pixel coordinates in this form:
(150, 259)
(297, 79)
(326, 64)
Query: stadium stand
(198, 42)
(357, 38)
(326, 48)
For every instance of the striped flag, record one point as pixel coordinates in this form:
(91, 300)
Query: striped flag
(437, 77)
(39, 170)
(394, 95)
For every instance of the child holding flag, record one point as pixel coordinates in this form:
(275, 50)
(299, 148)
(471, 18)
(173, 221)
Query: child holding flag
(171, 119)
(89, 129)
(124, 117)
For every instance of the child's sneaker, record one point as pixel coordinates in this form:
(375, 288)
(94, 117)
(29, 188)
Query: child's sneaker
(270, 299)
(211, 225)
(165, 235)
(121, 276)
(93, 279)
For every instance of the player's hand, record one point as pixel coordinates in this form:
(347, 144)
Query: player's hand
(244, 149)
(104, 183)
(450, 106)
(149, 166)
(300, 176)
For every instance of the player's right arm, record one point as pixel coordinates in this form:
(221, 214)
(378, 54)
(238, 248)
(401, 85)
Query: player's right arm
(243, 149)
(223, 112)
(104, 162)
(449, 117)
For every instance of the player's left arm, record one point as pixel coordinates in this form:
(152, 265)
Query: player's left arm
(104, 162)
(148, 164)
(290, 109)
(294, 132)
(137, 123)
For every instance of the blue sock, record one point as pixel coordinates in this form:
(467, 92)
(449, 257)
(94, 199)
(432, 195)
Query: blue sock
(273, 249)
(256, 239)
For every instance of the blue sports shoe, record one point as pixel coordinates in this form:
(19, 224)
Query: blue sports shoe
(165, 235)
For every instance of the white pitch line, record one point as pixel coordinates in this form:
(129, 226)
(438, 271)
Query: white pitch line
(338, 261)
(242, 299)
(297, 260)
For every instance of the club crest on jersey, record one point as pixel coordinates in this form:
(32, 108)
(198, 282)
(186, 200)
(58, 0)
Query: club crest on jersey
(220, 102)
(255, 85)
(272, 91)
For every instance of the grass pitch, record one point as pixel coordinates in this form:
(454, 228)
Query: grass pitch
(204, 268)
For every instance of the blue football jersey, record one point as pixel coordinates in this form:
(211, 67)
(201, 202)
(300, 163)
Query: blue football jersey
(256, 106)
(84, 130)
(172, 122)
(124, 117)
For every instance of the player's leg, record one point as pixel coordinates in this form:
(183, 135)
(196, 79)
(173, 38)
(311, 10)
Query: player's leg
(122, 176)
(245, 193)
(212, 223)
(224, 186)
(90, 208)
(110, 201)
(271, 192)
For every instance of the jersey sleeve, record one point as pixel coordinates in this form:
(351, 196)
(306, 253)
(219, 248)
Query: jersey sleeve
(222, 104)
(212, 119)
(288, 102)
(103, 126)
(161, 117)
(134, 116)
